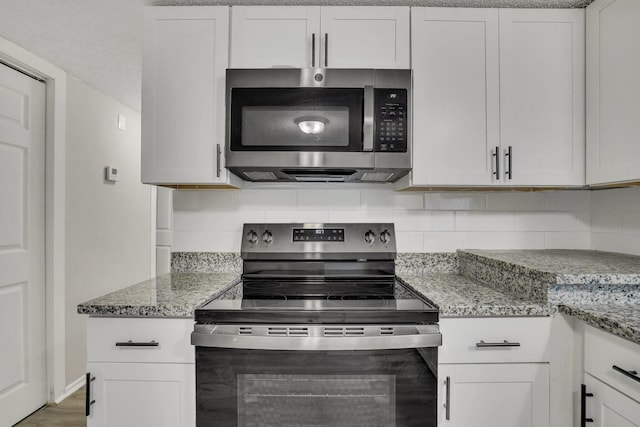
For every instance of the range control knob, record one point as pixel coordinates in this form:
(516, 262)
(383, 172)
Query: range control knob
(267, 237)
(252, 237)
(385, 237)
(369, 237)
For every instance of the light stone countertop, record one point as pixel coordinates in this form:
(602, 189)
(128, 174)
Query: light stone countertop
(563, 266)
(168, 295)
(178, 294)
(459, 296)
(622, 320)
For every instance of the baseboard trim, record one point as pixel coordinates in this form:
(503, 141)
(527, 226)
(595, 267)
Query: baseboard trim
(70, 389)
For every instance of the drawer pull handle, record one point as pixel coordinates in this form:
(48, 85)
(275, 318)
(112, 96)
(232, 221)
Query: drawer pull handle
(583, 406)
(504, 343)
(137, 344)
(447, 404)
(88, 400)
(631, 374)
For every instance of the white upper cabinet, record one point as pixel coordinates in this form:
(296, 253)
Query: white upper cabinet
(613, 91)
(185, 54)
(542, 96)
(275, 36)
(365, 37)
(315, 36)
(455, 92)
(498, 97)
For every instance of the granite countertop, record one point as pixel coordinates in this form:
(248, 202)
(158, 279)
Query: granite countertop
(168, 295)
(600, 288)
(564, 266)
(459, 296)
(622, 320)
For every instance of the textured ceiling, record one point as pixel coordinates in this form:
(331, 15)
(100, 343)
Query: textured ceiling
(99, 41)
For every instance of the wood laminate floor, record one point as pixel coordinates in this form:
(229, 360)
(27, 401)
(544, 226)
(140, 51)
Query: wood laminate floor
(69, 413)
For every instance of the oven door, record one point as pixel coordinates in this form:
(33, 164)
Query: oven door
(328, 375)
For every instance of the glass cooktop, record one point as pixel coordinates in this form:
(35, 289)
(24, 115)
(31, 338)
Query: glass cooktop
(343, 303)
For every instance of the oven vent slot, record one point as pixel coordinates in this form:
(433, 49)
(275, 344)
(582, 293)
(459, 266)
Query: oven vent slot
(288, 332)
(245, 330)
(386, 331)
(343, 332)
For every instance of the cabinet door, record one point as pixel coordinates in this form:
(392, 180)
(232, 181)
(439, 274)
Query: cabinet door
(490, 395)
(142, 394)
(454, 52)
(185, 54)
(365, 37)
(613, 91)
(608, 407)
(275, 36)
(542, 96)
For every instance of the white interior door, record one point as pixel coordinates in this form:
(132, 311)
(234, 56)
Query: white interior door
(22, 274)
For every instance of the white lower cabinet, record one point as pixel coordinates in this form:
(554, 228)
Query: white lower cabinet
(607, 407)
(142, 394)
(611, 366)
(494, 395)
(494, 372)
(142, 372)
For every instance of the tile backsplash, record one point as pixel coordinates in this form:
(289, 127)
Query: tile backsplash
(211, 221)
(615, 220)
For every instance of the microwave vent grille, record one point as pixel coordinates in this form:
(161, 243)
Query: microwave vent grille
(261, 176)
(377, 176)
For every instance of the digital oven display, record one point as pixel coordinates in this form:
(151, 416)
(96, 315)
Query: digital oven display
(318, 234)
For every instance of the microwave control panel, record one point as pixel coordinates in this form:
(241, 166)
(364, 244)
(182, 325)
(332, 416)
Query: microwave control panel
(391, 120)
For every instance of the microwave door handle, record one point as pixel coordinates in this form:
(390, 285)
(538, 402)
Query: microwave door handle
(367, 125)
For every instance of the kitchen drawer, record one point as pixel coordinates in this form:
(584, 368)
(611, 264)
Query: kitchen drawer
(172, 336)
(603, 351)
(461, 336)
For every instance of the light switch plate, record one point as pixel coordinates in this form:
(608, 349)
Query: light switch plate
(122, 122)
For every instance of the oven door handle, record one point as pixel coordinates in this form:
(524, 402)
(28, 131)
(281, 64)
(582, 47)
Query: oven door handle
(225, 338)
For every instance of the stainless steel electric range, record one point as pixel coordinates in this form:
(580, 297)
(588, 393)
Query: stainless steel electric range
(318, 333)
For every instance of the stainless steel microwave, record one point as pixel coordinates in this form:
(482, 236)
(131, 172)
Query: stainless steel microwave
(318, 125)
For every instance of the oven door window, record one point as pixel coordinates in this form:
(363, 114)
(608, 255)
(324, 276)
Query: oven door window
(296, 119)
(390, 388)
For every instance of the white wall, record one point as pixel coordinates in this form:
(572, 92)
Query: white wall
(616, 220)
(108, 226)
(211, 221)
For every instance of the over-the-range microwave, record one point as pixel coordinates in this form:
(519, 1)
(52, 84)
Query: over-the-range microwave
(318, 125)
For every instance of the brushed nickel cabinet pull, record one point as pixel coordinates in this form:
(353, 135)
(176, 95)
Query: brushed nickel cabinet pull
(218, 154)
(448, 399)
(504, 343)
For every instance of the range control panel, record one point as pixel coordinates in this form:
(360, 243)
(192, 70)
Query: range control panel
(317, 241)
(391, 120)
(318, 234)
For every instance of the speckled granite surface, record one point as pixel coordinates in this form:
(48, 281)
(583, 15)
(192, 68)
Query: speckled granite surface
(562, 267)
(206, 262)
(459, 296)
(622, 320)
(438, 262)
(169, 295)
(613, 305)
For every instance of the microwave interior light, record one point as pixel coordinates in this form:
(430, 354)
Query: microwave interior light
(312, 125)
